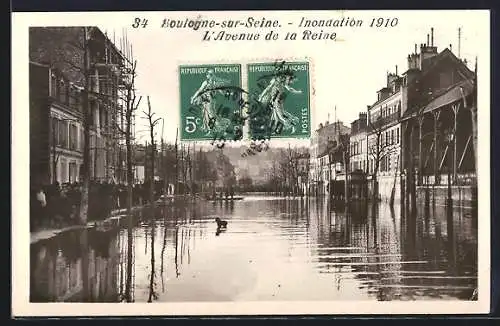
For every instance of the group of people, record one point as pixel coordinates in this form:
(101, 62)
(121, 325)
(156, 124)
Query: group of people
(58, 205)
(227, 193)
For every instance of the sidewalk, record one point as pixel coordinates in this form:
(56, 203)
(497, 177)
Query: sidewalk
(115, 216)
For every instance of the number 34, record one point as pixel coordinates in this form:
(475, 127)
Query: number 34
(191, 123)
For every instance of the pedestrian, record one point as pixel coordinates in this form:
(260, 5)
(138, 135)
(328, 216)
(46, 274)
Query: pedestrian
(38, 205)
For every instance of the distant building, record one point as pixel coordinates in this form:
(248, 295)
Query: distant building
(320, 167)
(358, 144)
(303, 162)
(358, 156)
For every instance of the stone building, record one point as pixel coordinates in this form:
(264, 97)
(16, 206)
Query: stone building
(440, 123)
(320, 172)
(423, 126)
(358, 156)
(57, 84)
(384, 134)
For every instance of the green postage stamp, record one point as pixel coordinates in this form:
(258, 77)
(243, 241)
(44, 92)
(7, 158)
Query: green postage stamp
(279, 100)
(215, 107)
(209, 99)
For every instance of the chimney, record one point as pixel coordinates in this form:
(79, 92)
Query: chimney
(450, 48)
(432, 36)
(396, 70)
(415, 48)
(427, 40)
(459, 39)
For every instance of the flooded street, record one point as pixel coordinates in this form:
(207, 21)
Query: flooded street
(273, 249)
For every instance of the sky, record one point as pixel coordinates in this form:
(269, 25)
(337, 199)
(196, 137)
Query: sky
(345, 74)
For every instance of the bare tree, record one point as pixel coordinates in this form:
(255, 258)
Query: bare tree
(87, 116)
(152, 122)
(131, 105)
(378, 149)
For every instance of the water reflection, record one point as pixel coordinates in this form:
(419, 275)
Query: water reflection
(272, 249)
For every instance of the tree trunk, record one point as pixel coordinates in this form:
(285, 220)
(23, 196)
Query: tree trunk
(346, 183)
(130, 174)
(84, 204)
(152, 177)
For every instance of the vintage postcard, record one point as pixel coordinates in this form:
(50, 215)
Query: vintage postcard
(242, 163)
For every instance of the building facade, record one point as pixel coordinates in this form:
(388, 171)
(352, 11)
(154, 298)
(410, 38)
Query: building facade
(322, 141)
(58, 81)
(423, 126)
(384, 134)
(358, 156)
(440, 123)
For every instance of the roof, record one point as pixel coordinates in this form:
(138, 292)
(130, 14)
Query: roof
(433, 62)
(430, 64)
(446, 96)
(451, 95)
(384, 99)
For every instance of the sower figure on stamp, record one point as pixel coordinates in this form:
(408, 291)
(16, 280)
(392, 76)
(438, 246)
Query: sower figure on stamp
(205, 97)
(273, 96)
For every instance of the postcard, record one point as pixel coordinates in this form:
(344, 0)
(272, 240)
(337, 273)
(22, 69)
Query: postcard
(251, 163)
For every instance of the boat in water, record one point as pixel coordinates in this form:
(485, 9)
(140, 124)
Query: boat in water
(165, 200)
(234, 198)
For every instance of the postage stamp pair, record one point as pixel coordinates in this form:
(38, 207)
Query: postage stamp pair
(214, 104)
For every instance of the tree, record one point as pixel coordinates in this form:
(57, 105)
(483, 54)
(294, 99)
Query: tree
(245, 182)
(378, 149)
(84, 204)
(131, 105)
(152, 122)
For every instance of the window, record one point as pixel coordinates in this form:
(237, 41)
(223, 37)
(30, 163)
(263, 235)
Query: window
(63, 91)
(82, 139)
(102, 119)
(63, 133)
(397, 135)
(55, 132)
(73, 136)
(386, 138)
(72, 172)
(74, 99)
(392, 137)
(93, 109)
(64, 171)
(53, 85)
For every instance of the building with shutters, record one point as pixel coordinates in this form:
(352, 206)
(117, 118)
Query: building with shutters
(57, 81)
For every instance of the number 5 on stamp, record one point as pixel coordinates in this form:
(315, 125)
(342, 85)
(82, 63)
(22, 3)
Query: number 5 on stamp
(209, 101)
(280, 100)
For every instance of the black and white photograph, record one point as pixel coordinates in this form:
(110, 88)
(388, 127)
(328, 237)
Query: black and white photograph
(219, 163)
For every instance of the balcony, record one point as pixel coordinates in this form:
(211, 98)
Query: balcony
(383, 121)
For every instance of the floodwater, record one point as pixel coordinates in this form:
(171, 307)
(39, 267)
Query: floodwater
(273, 249)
